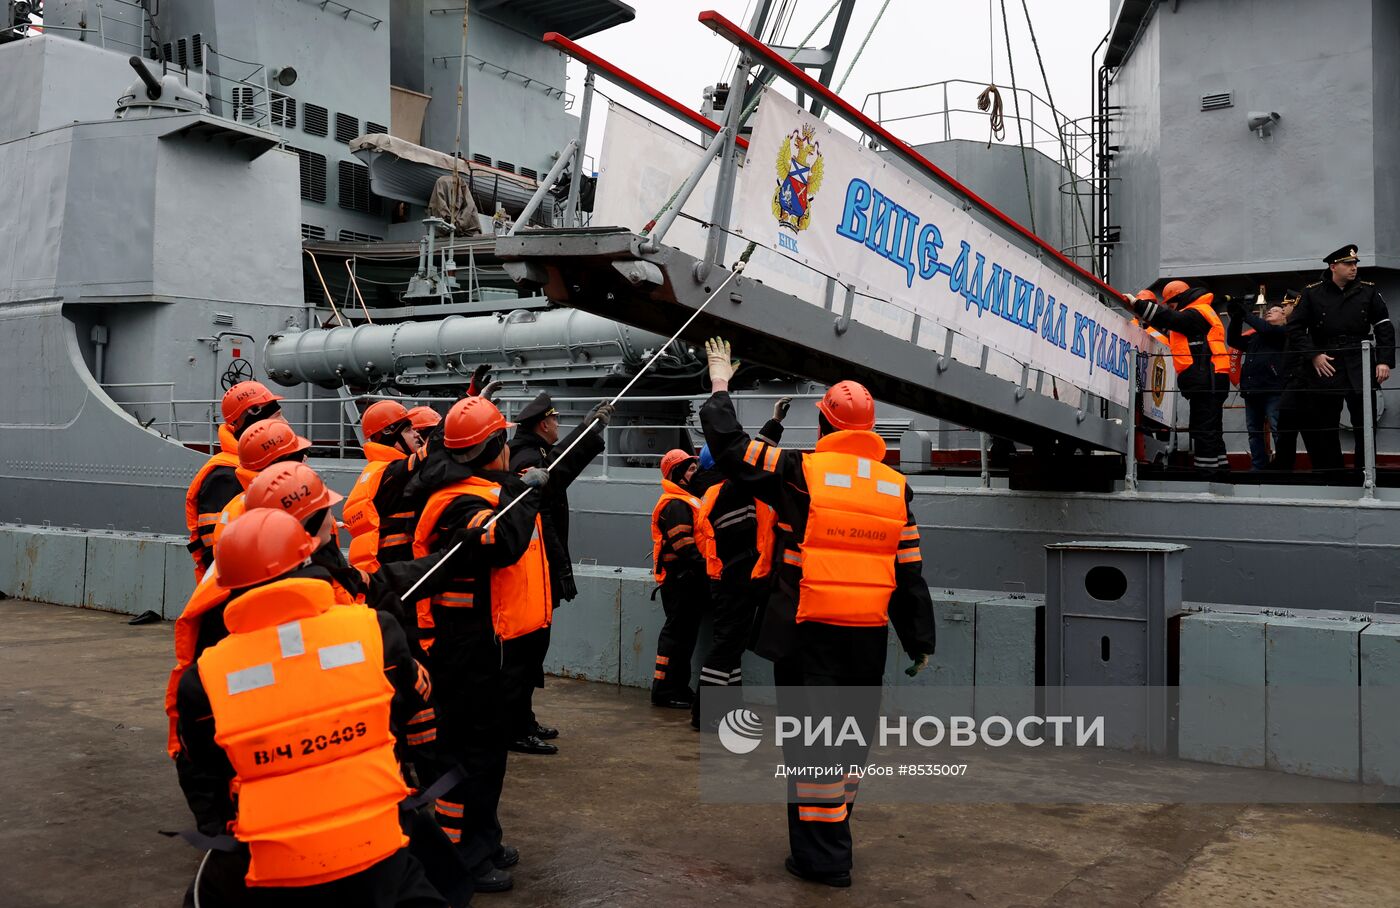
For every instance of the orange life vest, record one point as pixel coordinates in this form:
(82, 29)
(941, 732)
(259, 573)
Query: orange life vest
(237, 505)
(361, 517)
(765, 518)
(1183, 357)
(198, 524)
(520, 593)
(854, 521)
(669, 492)
(1151, 331)
(207, 596)
(301, 707)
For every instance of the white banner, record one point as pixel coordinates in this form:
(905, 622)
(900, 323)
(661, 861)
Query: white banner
(817, 196)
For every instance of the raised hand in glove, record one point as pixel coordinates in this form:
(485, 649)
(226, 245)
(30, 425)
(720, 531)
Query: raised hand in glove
(722, 368)
(492, 389)
(919, 665)
(534, 478)
(603, 413)
(780, 408)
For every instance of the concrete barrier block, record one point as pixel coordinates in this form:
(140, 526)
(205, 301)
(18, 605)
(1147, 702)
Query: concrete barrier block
(1314, 700)
(1222, 704)
(9, 575)
(640, 623)
(1007, 663)
(953, 661)
(1380, 690)
(125, 573)
(584, 641)
(49, 565)
(179, 579)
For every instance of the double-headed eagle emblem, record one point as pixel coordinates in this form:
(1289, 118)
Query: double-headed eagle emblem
(799, 169)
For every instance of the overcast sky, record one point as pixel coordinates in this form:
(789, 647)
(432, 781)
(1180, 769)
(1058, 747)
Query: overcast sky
(915, 42)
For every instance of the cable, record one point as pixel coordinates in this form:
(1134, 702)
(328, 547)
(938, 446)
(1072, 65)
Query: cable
(860, 50)
(1016, 101)
(198, 875)
(990, 100)
(660, 351)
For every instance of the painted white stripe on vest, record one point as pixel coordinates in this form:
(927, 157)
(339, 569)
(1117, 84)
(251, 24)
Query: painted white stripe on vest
(863, 468)
(289, 635)
(341, 655)
(838, 480)
(885, 487)
(251, 678)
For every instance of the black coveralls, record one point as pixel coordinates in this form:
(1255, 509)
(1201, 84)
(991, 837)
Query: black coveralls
(218, 488)
(524, 656)
(811, 653)
(1332, 320)
(1204, 388)
(466, 656)
(736, 594)
(685, 596)
(205, 773)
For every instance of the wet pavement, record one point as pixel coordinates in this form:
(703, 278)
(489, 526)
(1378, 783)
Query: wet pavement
(613, 819)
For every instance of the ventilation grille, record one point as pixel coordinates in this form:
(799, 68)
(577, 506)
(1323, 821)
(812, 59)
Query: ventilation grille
(1218, 101)
(223, 319)
(165, 48)
(182, 53)
(482, 159)
(313, 175)
(284, 111)
(243, 99)
(311, 231)
(197, 49)
(530, 172)
(507, 166)
(347, 128)
(374, 128)
(314, 119)
(351, 236)
(354, 188)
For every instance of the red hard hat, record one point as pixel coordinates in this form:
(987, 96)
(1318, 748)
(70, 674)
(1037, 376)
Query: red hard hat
(672, 459)
(471, 421)
(242, 397)
(261, 544)
(291, 487)
(381, 415)
(848, 405)
(1175, 288)
(267, 441)
(1147, 296)
(424, 417)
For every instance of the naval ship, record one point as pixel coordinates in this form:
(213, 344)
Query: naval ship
(201, 193)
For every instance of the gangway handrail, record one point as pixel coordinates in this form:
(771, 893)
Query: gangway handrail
(803, 82)
(630, 82)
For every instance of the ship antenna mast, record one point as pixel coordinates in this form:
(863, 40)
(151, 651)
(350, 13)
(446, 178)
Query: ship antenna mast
(461, 84)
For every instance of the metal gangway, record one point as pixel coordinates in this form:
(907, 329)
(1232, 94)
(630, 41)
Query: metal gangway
(635, 277)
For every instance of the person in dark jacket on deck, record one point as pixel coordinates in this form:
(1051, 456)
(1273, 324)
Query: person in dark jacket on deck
(1262, 338)
(850, 566)
(537, 444)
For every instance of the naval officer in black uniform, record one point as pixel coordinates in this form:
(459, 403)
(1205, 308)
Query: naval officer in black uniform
(1324, 360)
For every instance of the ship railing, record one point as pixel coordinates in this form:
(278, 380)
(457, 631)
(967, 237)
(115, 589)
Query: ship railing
(104, 39)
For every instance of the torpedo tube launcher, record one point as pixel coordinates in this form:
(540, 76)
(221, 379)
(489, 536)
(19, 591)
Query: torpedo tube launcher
(737, 270)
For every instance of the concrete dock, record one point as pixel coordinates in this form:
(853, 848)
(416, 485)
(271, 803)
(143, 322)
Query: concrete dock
(614, 818)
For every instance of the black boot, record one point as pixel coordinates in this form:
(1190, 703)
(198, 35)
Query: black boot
(841, 879)
(530, 744)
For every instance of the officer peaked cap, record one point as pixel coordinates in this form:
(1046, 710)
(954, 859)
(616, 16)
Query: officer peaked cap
(1347, 253)
(536, 410)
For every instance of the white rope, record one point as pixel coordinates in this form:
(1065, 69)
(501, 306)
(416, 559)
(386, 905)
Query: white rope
(661, 350)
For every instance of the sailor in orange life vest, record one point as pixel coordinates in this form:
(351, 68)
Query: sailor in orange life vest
(536, 443)
(734, 532)
(1202, 361)
(301, 711)
(678, 566)
(502, 595)
(264, 444)
(378, 531)
(833, 596)
(215, 484)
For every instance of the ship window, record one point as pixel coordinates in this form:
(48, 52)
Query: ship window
(354, 188)
(373, 128)
(347, 128)
(351, 236)
(284, 111)
(243, 102)
(313, 174)
(314, 119)
(482, 159)
(312, 232)
(507, 166)
(197, 49)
